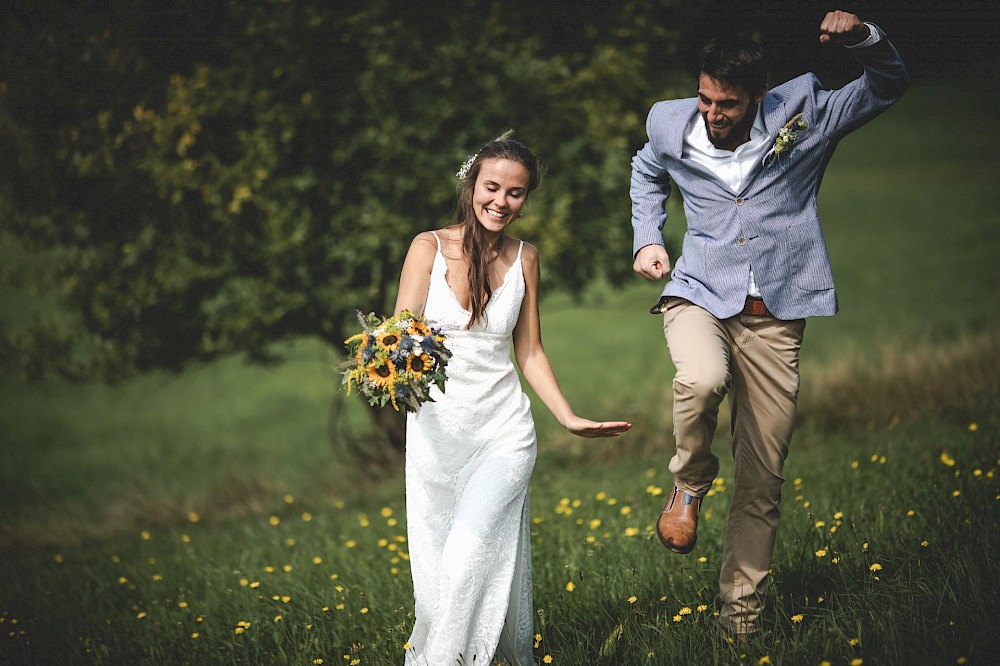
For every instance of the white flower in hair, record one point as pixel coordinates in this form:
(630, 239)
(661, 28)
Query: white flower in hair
(463, 170)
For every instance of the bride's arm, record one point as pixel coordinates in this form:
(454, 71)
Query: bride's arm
(534, 363)
(415, 278)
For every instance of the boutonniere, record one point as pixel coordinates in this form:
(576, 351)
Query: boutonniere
(788, 134)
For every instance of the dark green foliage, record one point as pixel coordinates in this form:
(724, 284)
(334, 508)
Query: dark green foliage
(203, 180)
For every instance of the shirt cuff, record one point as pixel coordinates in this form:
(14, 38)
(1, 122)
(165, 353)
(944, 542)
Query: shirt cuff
(875, 36)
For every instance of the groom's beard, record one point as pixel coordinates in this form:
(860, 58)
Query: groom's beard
(732, 139)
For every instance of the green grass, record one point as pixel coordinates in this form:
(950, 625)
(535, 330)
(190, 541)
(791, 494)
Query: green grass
(137, 516)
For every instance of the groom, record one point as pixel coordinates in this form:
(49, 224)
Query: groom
(748, 162)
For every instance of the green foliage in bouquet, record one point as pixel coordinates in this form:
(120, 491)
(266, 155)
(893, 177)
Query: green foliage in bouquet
(396, 360)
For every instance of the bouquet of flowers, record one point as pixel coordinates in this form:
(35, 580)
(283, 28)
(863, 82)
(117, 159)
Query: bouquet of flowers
(395, 360)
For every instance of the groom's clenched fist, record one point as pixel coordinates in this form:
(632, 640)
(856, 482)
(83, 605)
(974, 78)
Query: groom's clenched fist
(842, 28)
(652, 262)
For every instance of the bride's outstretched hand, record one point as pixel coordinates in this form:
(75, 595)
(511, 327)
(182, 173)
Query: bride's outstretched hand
(588, 428)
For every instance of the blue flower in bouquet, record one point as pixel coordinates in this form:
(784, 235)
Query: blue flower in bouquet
(396, 360)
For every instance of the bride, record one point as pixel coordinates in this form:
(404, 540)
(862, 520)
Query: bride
(470, 453)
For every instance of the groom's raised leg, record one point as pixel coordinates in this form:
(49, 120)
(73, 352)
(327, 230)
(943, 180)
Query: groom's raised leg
(700, 348)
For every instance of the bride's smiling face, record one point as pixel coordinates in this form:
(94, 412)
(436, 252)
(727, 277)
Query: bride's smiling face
(500, 192)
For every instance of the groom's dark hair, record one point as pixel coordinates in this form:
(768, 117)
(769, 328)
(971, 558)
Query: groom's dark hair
(734, 60)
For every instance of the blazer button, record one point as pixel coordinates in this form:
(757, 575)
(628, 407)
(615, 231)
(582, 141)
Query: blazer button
(742, 241)
(739, 201)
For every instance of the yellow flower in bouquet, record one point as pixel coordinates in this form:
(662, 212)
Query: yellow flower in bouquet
(396, 360)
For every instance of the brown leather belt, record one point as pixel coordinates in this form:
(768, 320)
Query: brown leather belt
(755, 306)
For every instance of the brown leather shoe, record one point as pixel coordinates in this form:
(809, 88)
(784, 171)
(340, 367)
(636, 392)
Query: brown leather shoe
(678, 524)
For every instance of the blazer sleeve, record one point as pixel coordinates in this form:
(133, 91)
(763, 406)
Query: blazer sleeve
(649, 187)
(883, 81)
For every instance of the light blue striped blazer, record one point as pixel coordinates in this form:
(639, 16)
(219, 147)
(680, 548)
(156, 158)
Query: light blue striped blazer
(773, 223)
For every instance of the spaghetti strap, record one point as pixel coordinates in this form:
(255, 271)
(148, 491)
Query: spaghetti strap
(437, 239)
(519, 248)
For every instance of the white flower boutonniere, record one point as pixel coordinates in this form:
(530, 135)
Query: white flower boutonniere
(788, 134)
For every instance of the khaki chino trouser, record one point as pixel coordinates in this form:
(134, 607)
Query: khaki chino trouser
(755, 361)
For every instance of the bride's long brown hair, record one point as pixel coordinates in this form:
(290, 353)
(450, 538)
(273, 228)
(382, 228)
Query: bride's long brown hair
(474, 244)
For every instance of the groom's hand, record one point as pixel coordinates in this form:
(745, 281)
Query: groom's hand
(652, 262)
(842, 28)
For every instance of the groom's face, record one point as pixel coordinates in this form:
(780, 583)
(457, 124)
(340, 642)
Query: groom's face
(728, 112)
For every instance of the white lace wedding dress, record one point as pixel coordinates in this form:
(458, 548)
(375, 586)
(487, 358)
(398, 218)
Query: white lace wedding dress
(469, 457)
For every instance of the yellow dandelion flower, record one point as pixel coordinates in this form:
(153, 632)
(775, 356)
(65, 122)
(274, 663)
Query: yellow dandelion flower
(185, 538)
(876, 567)
(632, 599)
(318, 660)
(600, 496)
(193, 517)
(277, 618)
(821, 552)
(703, 559)
(701, 608)
(254, 585)
(819, 523)
(182, 604)
(547, 659)
(838, 515)
(274, 521)
(796, 618)
(684, 611)
(317, 560)
(925, 543)
(956, 493)
(238, 630)
(947, 459)
(145, 535)
(626, 510)
(854, 641)
(764, 660)
(864, 546)
(195, 634)
(350, 543)
(677, 618)
(857, 661)
(363, 520)
(407, 645)
(364, 611)
(973, 427)
(570, 586)
(122, 580)
(595, 523)
(141, 615)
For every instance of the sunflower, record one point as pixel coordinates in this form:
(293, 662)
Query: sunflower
(382, 374)
(418, 364)
(418, 327)
(389, 339)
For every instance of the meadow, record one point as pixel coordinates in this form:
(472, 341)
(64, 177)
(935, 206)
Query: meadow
(217, 516)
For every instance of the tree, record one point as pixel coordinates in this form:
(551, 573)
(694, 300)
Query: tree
(207, 182)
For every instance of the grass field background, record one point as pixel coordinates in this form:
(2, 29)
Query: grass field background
(213, 516)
